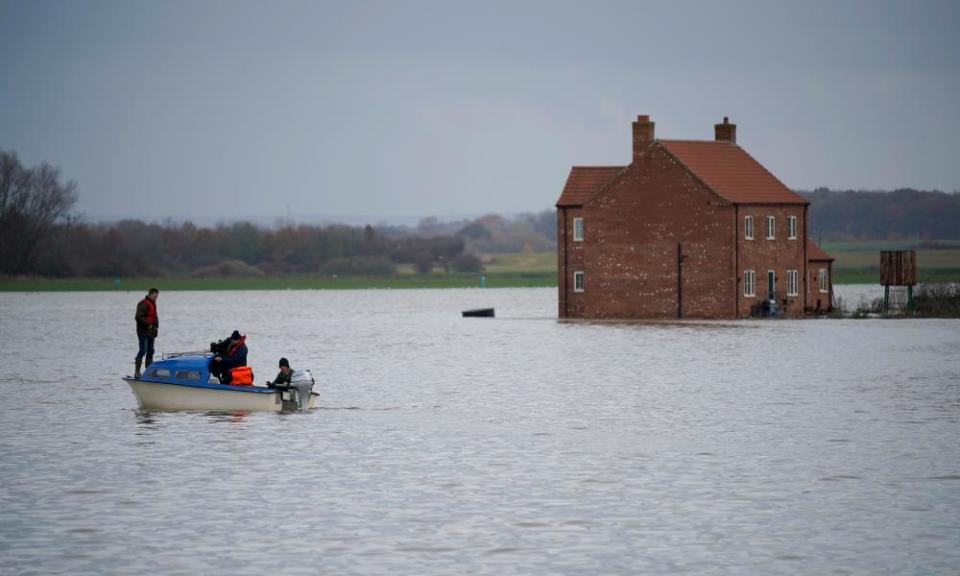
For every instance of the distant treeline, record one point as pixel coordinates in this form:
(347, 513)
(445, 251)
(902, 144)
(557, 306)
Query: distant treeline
(135, 248)
(40, 235)
(884, 215)
(71, 248)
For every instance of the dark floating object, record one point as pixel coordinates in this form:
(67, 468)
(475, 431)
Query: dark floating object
(478, 313)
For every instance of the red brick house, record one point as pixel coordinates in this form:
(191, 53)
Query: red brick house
(689, 229)
(820, 280)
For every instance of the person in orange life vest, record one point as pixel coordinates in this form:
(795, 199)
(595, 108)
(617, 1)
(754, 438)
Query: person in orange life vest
(148, 325)
(235, 354)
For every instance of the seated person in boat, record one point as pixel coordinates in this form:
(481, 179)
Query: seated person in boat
(230, 354)
(283, 377)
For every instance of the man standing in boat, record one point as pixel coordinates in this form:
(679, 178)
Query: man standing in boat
(148, 324)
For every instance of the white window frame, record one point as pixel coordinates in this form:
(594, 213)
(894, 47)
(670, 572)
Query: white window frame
(749, 283)
(793, 282)
(792, 228)
(578, 281)
(578, 229)
(771, 227)
(748, 227)
(822, 280)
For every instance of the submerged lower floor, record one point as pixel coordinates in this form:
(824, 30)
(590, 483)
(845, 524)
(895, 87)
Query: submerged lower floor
(685, 292)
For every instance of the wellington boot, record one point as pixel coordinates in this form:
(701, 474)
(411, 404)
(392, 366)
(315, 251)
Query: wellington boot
(136, 372)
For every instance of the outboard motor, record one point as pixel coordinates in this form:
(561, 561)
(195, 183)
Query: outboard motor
(301, 384)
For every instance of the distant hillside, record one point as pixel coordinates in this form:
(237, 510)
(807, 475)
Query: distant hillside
(883, 215)
(492, 233)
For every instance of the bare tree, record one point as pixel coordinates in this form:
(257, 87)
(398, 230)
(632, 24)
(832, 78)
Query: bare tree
(32, 200)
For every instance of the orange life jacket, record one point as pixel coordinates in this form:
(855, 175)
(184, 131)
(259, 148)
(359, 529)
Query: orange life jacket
(241, 376)
(151, 316)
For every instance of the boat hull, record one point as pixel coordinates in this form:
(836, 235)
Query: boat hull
(163, 396)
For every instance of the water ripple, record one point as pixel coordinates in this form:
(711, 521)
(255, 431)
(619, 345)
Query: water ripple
(441, 445)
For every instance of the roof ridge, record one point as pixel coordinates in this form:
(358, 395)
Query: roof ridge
(700, 141)
(772, 175)
(686, 153)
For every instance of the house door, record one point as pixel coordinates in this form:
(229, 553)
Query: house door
(771, 285)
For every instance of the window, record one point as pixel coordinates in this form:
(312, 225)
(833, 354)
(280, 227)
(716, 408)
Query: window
(160, 373)
(822, 277)
(578, 281)
(578, 229)
(188, 375)
(793, 282)
(771, 227)
(748, 227)
(749, 283)
(771, 285)
(792, 228)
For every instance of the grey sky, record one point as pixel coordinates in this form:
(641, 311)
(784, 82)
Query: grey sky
(384, 109)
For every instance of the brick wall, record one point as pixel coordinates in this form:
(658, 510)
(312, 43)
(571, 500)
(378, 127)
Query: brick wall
(779, 255)
(570, 256)
(629, 252)
(817, 300)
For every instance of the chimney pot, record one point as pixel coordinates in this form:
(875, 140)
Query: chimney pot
(725, 132)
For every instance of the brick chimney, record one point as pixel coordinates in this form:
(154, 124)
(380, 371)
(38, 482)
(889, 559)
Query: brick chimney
(725, 132)
(642, 135)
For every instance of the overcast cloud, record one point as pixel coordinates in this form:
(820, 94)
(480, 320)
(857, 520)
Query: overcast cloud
(386, 109)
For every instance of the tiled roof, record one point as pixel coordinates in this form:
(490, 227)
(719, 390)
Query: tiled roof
(730, 172)
(816, 253)
(584, 182)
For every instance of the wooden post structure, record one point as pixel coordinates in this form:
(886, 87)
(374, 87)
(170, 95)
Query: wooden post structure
(898, 268)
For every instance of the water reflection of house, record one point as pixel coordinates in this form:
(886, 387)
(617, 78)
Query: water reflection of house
(691, 229)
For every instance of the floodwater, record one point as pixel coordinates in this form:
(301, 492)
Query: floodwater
(515, 445)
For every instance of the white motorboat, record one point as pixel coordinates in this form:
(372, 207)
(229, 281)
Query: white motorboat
(183, 382)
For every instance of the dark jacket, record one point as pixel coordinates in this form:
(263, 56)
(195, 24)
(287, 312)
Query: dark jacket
(236, 354)
(148, 321)
(282, 379)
